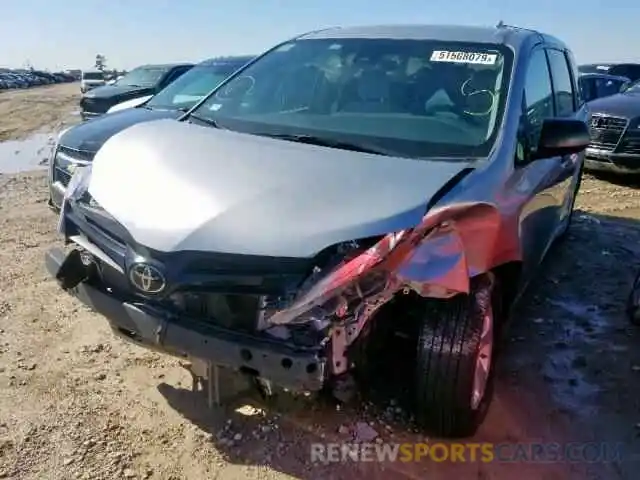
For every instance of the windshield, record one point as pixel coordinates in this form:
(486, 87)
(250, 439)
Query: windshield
(93, 76)
(413, 98)
(142, 77)
(193, 86)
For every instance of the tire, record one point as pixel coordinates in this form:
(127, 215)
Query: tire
(449, 344)
(562, 235)
(633, 302)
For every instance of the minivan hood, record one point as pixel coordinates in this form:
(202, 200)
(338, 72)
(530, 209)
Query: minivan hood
(177, 186)
(621, 104)
(89, 136)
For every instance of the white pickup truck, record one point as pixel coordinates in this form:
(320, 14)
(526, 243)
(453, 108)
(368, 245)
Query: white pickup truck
(91, 79)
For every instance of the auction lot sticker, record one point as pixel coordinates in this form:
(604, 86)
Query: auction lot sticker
(477, 58)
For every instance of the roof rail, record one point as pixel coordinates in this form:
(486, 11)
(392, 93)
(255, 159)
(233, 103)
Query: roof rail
(501, 24)
(314, 31)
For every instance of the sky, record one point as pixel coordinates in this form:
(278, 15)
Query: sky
(69, 33)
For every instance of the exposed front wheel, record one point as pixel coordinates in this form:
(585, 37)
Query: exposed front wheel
(454, 372)
(633, 302)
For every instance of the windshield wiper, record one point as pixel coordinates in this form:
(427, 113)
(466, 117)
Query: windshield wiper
(328, 142)
(206, 121)
(166, 108)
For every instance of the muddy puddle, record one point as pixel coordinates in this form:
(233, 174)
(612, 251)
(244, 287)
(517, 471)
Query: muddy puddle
(29, 154)
(583, 325)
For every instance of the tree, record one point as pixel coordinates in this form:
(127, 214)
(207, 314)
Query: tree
(101, 62)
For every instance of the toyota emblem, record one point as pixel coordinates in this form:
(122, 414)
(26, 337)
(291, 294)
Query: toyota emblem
(147, 278)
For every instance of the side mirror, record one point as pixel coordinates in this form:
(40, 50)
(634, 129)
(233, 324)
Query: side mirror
(562, 136)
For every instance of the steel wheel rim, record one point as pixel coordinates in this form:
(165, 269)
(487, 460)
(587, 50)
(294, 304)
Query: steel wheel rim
(484, 358)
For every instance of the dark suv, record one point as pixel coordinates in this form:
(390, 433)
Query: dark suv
(615, 132)
(78, 145)
(139, 82)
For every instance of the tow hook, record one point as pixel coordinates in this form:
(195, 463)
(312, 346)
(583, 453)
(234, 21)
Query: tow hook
(75, 269)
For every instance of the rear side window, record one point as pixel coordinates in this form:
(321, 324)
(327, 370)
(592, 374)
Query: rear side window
(562, 83)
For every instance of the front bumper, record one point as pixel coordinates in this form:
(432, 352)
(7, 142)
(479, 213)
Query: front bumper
(296, 368)
(56, 194)
(607, 161)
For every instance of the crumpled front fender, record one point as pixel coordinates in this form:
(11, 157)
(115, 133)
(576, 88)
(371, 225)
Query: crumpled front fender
(462, 242)
(435, 259)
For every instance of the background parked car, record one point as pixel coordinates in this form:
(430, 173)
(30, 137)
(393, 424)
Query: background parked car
(78, 145)
(21, 78)
(188, 89)
(91, 79)
(142, 81)
(615, 132)
(598, 85)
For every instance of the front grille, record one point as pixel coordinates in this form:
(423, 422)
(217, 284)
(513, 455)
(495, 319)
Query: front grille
(237, 312)
(83, 155)
(65, 155)
(606, 131)
(94, 105)
(630, 142)
(62, 176)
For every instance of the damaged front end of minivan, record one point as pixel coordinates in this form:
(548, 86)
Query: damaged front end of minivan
(286, 322)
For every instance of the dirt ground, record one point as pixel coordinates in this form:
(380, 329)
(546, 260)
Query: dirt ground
(26, 111)
(77, 403)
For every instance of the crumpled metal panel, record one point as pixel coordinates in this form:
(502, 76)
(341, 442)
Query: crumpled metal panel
(436, 259)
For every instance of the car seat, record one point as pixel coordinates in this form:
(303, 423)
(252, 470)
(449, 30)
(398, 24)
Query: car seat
(369, 93)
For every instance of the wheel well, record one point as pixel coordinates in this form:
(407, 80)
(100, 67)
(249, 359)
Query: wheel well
(385, 352)
(402, 310)
(509, 275)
